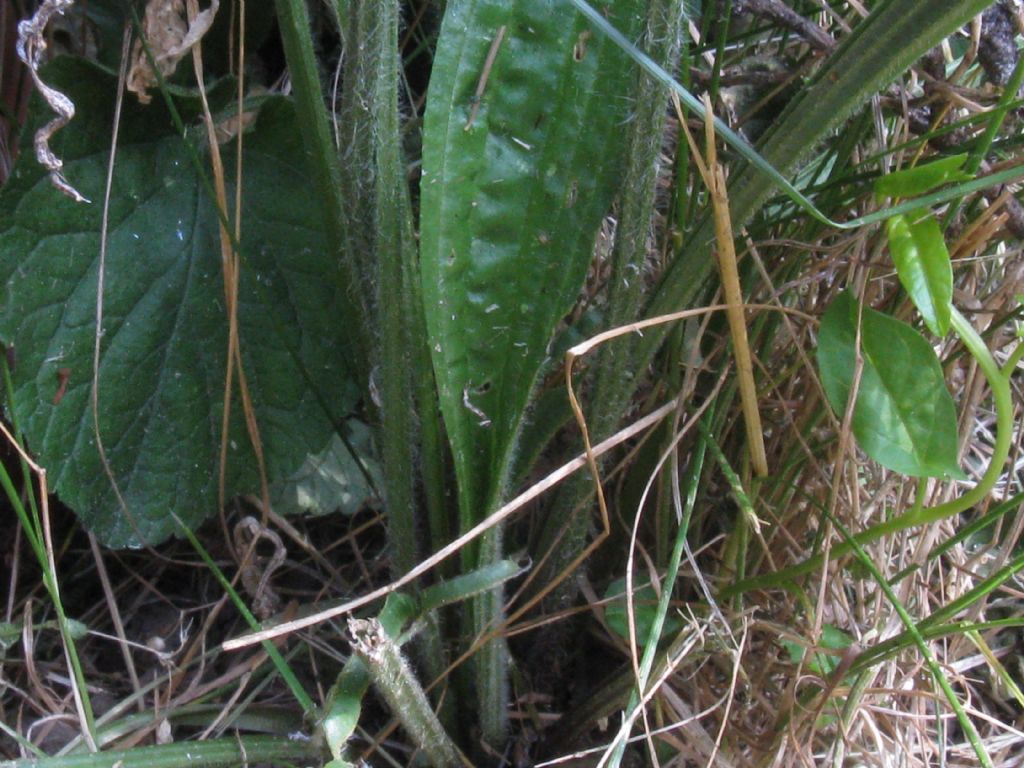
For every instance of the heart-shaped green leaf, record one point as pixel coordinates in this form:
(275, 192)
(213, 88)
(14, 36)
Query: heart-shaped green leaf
(162, 368)
(922, 262)
(904, 417)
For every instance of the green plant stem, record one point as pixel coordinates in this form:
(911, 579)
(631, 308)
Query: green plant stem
(35, 531)
(382, 232)
(935, 622)
(693, 474)
(354, 315)
(214, 753)
(380, 228)
(397, 684)
(275, 656)
(937, 673)
(1000, 385)
(344, 700)
(994, 120)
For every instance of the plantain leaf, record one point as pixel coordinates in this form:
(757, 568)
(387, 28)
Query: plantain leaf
(904, 417)
(514, 186)
(164, 345)
(922, 262)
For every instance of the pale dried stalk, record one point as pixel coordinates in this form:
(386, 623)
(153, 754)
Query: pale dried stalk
(714, 179)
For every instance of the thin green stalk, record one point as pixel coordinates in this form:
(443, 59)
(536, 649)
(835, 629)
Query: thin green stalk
(937, 673)
(936, 620)
(296, 36)
(234, 750)
(994, 121)
(723, 18)
(275, 656)
(967, 531)
(34, 527)
(999, 382)
(851, 708)
(693, 474)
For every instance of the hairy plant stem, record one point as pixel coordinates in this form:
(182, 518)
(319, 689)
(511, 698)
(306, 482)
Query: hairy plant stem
(234, 750)
(1001, 395)
(396, 683)
(354, 314)
(380, 228)
(615, 375)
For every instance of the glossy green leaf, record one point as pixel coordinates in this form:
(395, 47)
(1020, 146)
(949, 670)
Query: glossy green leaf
(911, 182)
(514, 186)
(162, 368)
(922, 262)
(904, 417)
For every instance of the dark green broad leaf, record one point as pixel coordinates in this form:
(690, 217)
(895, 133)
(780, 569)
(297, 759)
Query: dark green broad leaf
(162, 368)
(516, 178)
(904, 417)
(922, 262)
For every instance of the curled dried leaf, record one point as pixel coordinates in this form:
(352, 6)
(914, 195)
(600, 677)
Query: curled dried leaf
(31, 47)
(169, 35)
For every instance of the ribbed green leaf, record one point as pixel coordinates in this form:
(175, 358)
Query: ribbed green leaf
(512, 197)
(521, 152)
(162, 368)
(904, 417)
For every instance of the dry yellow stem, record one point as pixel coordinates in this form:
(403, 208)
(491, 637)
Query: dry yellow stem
(714, 178)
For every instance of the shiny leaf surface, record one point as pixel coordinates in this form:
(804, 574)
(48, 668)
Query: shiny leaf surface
(904, 417)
